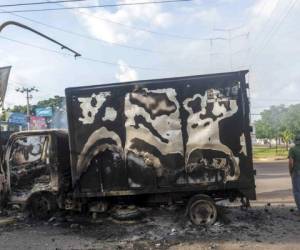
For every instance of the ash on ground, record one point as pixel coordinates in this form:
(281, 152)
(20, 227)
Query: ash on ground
(158, 228)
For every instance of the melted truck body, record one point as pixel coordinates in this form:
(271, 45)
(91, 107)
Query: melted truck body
(186, 134)
(34, 162)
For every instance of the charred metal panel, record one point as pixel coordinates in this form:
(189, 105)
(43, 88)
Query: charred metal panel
(27, 162)
(173, 134)
(62, 161)
(154, 146)
(206, 155)
(37, 161)
(99, 141)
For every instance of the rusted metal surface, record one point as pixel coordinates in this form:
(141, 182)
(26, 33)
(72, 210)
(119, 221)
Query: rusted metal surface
(165, 135)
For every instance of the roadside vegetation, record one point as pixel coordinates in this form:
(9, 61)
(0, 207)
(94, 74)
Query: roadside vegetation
(279, 123)
(269, 153)
(277, 128)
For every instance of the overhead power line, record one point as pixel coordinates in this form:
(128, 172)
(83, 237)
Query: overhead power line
(267, 21)
(106, 42)
(273, 32)
(111, 43)
(87, 36)
(170, 35)
(41, 3)
(275, 27)
(251, 49)
(80, 58)
(146, 30)
(95, 6)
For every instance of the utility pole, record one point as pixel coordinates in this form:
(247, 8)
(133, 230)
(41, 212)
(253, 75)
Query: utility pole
(211, 52)
(28, 96)
(229, 39)
(230, 47)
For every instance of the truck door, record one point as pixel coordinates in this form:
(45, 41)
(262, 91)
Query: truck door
(27, 160)
(3, 183)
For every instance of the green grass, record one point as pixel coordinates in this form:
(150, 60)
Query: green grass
(266, 152)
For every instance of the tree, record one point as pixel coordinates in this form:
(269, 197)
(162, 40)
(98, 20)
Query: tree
(18, 108)
(292, 119)
(263, 130)
(279, 122)
(287, 136)
(271, 123)
(54, 102)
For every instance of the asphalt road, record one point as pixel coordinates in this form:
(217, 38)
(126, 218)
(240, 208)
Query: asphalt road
(261, 227)
(273, 182)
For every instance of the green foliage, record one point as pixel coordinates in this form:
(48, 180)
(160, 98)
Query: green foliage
(292, 118)
(18, 108)
(271, 123)
(279, 122)
(287, 135)
(3, 116)
(263, 130)
(54, 102)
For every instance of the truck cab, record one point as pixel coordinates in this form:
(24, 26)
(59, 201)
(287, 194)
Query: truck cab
(35, 170)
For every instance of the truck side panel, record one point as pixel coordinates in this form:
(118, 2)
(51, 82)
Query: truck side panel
(189, 133)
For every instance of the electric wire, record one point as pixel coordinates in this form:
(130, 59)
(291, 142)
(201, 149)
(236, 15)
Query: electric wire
(95, 6)
(80, 58)
(268, 20)
(41, 3)
(146, 30)
(275, 28)
(173, 36)
(153, 32)
(104, 41)
(293, 4)
(89, 37)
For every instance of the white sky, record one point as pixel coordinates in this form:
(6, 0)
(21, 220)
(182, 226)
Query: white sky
(265, 40)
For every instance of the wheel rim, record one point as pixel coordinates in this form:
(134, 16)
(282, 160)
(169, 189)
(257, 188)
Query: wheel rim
(203, 212)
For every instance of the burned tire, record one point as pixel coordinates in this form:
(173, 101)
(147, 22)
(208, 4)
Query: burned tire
(42, 205)
(202, 210)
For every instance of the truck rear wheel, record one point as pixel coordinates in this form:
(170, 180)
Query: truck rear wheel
(42, 205)
(202, 210)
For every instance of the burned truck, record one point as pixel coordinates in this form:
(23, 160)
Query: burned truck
(175, 140)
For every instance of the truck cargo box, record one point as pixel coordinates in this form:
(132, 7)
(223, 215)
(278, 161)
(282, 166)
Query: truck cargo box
(185, 134)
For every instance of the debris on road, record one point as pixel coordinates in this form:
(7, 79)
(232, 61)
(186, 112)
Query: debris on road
(159, 228)
(7, 221)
